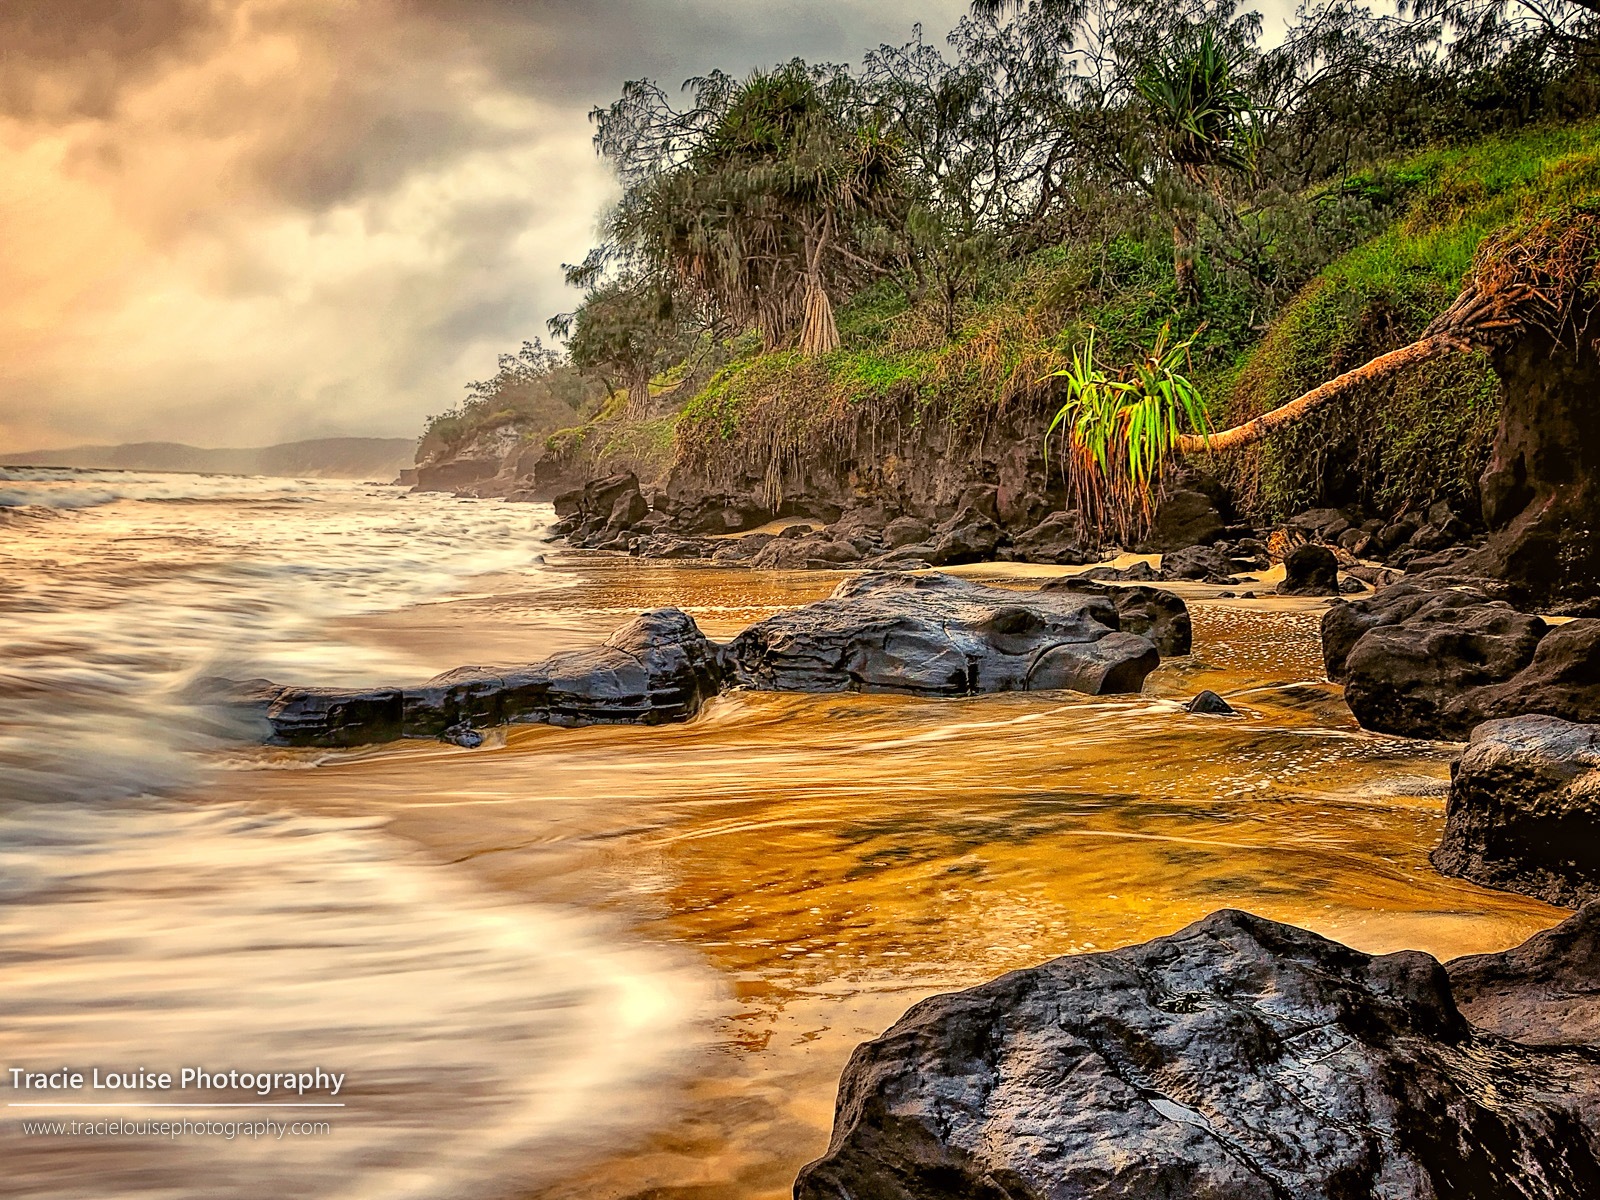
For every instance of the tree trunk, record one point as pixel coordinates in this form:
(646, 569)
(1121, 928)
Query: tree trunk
(639, 403)
(1429, 347)
(818, 332)
(1183, 239)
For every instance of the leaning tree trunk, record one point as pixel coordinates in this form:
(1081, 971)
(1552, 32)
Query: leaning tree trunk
(1184, 235)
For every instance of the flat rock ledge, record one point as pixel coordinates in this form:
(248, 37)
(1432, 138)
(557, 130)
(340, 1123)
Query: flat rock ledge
(656, 669)
(1524, 810)
(1437, 662)
(938, 635)
(1237, 1058)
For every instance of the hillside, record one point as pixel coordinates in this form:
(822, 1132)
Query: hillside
(321, 458)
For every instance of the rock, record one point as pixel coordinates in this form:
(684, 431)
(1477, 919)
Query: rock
(1524, 810)
(1394, 536)
(1238, 1059)
(934, 634)
(1310, 570)
(1210, 704)
(463, 735)
(1204, 563)
(665, 545)
(1150, 612)
(657, 668)
(1190, 513)
(906, 531)
(813, 550)
(1323, 524)
(969, 536)
(1352, 587)
(1437, 663)
(1541, 993)
(1139, 572)
(1541, 490)
(1060, 538)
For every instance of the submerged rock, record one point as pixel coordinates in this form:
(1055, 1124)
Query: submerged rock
(1238, 1059)
(657, 668)
(1209, 703)
(938, 635)
(1524, 810)
(1438, 663)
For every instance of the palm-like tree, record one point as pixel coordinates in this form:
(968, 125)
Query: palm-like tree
(1204, 124)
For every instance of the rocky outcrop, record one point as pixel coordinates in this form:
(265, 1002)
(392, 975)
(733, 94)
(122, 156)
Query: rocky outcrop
(1437, 663)
(937, 635)
(656, 669)
(1541, 490)
(1238, 1058)
(1524, 810)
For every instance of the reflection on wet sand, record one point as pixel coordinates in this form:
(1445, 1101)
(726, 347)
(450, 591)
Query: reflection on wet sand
(835, 858)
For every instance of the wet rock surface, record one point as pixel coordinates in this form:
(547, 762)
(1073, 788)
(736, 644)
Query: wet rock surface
(1310, 570)
(656, 669)
(1237, 1058)
(938, 635)
(1524, 810)
(1150, 612)
(1433, 663)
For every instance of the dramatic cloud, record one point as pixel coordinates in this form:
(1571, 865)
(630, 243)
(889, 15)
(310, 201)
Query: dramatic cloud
(234, 221)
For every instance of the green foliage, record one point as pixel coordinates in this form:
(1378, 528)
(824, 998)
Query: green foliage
(1120, 429)
(1426, 437)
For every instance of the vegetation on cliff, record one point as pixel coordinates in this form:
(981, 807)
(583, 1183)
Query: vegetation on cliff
(813, 259)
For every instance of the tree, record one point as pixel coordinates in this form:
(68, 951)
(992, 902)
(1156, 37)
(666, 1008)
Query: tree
(1204, 123)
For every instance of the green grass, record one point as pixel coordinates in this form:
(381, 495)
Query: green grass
(1425, 437)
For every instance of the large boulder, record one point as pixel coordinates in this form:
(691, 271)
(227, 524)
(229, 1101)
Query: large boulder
(1438, 663)
(1310, 570)
(1190, 512)
(1153, 613)
(1061, 538)
(937, 635)
(1524, 810)
(1238, 1059)
(657, 668)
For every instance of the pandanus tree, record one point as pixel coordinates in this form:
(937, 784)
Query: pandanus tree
(1202, 120)
(752, 209)
(1531, 303)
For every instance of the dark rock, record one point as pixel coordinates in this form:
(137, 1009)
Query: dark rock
(1202, 563)
(1238, 1059)
(463, 735)
(1541, 490)
(1193, 512)
(1394, 536)
(657, 668)
(934, 634)
(1352, 587)
(1524, 810)
(1541, 993)
(1323, 524)
(1210, 704)
(1152, 613)
(969, 536)
(814, 550)
(627, 510)
(1310, 570)
(1060, 538)
(1435, 664)
(665, 545)
(906, 531)
(1139, 572)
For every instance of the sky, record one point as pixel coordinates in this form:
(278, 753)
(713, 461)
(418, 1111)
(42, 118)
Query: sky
(235, 222)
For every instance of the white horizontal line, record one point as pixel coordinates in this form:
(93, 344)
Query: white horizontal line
(69, 1105)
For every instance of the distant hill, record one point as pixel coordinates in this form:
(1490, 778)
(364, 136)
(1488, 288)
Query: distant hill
(323, 458)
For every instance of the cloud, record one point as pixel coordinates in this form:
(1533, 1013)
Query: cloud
(235, 221)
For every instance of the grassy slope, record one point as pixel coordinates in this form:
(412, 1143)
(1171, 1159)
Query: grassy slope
(1403, 445)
